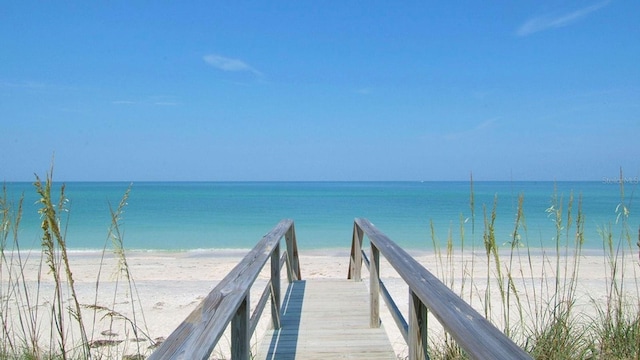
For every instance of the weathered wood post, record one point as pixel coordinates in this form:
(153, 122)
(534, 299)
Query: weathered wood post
(275, 287)
(293, 271)
(374, 286)
(355, 261)
(240, 334)
(418, 345)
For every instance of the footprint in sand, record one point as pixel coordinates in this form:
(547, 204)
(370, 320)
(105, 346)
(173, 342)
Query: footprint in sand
(159, 305)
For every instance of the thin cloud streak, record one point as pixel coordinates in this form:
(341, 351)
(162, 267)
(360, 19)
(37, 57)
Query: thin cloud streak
(229, 64)
(487, 124)
(24, 85)
(364, 91)
(549, 21)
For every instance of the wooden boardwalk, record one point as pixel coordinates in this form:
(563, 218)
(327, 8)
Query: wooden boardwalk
(329, 318)
(326, 319)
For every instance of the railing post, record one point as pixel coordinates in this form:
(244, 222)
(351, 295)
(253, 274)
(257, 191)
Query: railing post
(355, 262)
(240, 336)
(418, 345)
(374, 286)
(293, 271)
(275, 287)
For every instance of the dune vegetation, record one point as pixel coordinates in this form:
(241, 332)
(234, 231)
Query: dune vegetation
(43, 317)
(541, 297)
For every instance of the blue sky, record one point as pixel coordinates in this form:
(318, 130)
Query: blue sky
(324, 90)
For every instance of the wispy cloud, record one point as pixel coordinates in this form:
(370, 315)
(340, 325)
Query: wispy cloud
(24, 84)
(364, 91)
(229, 64)
(551, 21)
(164, 100)
(487, 124)
(157, 100)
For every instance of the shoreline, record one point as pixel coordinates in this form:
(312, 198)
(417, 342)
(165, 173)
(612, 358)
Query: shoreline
(331, 251)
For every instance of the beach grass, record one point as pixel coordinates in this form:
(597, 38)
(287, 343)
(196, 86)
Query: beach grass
(44, 318)
(545, 309)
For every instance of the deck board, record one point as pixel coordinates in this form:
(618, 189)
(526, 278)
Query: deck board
(326, 319)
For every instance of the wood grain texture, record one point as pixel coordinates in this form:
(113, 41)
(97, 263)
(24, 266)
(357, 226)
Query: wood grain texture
(418, 340)
(475, 334)
(355, 260)
(326, 319)
(198, 334)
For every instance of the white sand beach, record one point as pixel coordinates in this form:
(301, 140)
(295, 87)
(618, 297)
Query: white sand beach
(171, 284)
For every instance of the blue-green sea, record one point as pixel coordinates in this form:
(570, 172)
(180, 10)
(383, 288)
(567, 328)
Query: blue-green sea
(235, 215)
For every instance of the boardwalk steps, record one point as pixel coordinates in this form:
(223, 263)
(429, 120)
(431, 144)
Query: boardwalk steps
(326, 319)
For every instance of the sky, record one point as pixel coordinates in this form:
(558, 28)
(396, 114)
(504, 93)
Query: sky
(319, 90)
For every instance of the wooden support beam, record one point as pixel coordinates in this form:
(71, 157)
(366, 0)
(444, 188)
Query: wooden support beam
(355, 260)
(374, 287)
(275, 287)
(418, 341)
(292, 253)
(240, 335)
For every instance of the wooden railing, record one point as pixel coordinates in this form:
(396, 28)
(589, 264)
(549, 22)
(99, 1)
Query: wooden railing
(228, 303)
(473, 333)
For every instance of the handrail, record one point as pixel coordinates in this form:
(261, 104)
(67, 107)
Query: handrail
(228, 303)
(473, 333)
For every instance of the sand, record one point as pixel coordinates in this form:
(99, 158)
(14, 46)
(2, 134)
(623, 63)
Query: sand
(169, 285)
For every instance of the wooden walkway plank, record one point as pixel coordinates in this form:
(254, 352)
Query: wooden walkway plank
(326, 319)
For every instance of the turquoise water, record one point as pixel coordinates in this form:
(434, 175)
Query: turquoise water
(235, 215)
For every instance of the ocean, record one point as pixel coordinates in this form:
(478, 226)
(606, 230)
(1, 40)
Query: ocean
(192, 216)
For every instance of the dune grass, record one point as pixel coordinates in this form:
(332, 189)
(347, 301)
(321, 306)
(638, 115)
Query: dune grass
(45, 318)
(545, 309)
